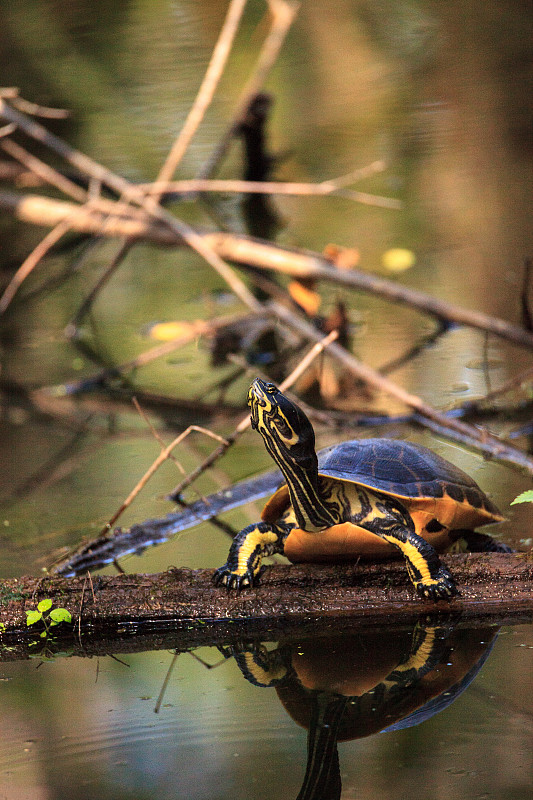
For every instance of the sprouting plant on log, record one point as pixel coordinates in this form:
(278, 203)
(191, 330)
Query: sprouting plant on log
(49, 616)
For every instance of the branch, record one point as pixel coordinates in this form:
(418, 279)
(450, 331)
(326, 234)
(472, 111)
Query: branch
(29, 263)
(247, 251)
(322, 189)
(484, 441)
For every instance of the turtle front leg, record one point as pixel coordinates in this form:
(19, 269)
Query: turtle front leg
(247, 550)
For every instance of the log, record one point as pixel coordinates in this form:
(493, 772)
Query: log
(181, 608)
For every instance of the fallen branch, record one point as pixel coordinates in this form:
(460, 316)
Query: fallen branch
(105, 549)
(247, 251)
(289, 597)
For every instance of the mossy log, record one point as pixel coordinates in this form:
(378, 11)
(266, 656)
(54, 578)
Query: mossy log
(181, 608)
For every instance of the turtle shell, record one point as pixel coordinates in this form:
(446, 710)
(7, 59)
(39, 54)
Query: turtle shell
(404, 470)
(439, 496)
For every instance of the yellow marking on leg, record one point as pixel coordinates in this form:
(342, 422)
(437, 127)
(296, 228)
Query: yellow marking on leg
(253, 540)
(415, 558)
(262, 675)
(419, 658)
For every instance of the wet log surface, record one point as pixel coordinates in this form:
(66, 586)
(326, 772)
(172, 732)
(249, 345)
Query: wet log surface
(182, 609)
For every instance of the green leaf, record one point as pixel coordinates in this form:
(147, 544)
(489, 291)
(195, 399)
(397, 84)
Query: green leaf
(44, 605)
(60, 615)
(525, 497)
(33, 616)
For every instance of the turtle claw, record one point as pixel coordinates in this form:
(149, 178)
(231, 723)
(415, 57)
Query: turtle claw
(441, 587)
(224, 576)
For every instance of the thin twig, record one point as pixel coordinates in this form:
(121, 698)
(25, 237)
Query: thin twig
(80, 613)
(527, 314)
(206, 92)
(71, 329)
(29, 264)
(37, 110)
(7, 130)
(263, 187)
(44, 171)
(244, 424)
(170, 669)
(322, 189)
(118, 567)
(89, 576)
(164, 454)
(283, 14)
(155, 434)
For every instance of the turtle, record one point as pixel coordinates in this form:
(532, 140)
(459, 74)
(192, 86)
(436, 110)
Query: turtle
(370, 498)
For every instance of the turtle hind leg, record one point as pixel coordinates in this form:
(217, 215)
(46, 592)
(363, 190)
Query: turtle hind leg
(391, 521)
(250, 546)
(483, 543)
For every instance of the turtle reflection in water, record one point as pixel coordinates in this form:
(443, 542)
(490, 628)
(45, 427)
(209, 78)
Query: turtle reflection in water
(365, 498)
(349, 687)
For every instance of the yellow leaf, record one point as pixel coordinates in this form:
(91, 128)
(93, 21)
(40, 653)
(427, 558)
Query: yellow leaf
(166, 331)
(398, 259)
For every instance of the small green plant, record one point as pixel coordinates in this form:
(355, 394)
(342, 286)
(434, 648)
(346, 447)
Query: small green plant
(525, 497)
(47, 615)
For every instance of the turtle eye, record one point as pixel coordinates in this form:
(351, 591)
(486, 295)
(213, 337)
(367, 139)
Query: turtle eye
(271, 388)
(284, 429)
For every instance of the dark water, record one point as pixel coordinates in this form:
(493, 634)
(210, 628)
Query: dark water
(439, 91)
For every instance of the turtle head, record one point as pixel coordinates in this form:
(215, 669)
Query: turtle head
(286, 431)
(289, 438)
